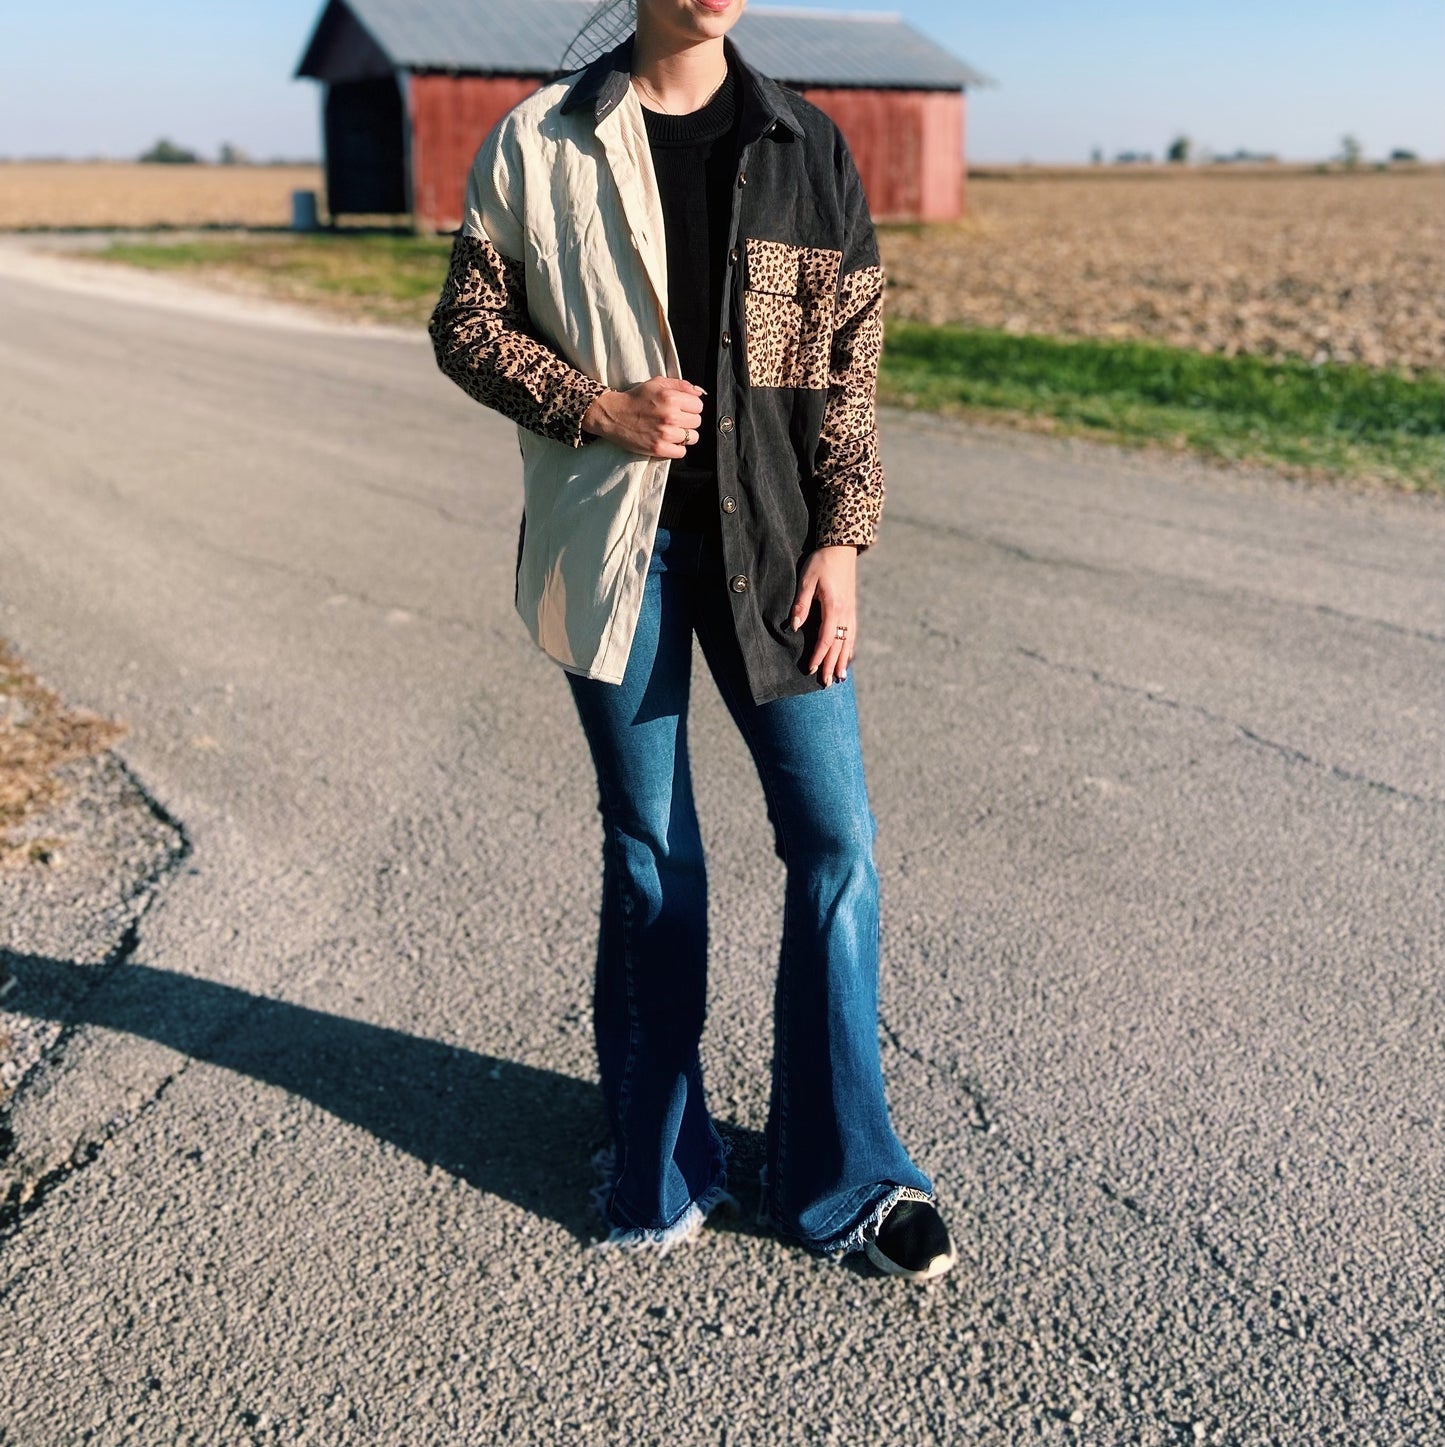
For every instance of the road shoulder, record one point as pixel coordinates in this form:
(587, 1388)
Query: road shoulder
(81, 911)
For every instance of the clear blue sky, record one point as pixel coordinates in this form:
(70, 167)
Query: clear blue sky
(107, 77)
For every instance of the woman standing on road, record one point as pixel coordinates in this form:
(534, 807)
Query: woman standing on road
(667, 276)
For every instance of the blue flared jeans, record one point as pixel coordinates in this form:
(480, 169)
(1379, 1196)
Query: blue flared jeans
(833, 1162)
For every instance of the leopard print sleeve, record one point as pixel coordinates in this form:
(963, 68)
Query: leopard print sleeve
(481, 331)
(849, 469)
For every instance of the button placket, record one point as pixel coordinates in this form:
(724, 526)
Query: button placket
(734, 538)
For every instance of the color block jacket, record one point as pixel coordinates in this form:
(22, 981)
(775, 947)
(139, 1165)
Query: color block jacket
(557, 291)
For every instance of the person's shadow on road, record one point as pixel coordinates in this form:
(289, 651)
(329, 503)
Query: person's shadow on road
(519, 1132)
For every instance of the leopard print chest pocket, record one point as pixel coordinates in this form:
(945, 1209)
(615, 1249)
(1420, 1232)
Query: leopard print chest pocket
(788, 298)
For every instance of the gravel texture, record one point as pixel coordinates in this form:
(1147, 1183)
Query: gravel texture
(1155, 754)
(77, 912)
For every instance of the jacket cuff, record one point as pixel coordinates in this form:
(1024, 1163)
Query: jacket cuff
(849, 514)
(564, 419)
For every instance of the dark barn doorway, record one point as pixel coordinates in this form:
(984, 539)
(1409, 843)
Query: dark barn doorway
(365, 148)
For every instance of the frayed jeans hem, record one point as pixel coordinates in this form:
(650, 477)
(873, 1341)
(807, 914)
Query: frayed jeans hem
(686, 1227)
(858, 1237)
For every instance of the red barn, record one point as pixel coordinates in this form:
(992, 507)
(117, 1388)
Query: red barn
(411, 88)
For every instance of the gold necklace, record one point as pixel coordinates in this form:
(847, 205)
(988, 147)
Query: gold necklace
(664, 108)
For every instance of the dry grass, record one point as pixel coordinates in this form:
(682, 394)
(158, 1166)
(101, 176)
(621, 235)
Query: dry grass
(38, 733)
(379, 278)
(1333, 266)
(123, 193)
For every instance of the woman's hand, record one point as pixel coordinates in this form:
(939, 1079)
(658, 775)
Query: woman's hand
(656, 418)
(829, 580)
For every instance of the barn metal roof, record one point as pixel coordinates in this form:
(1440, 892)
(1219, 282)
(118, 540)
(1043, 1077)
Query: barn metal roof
(528, 37)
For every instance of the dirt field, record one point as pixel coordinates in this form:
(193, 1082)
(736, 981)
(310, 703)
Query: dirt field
(125, 194)
(1334, 266)
(1329, 266)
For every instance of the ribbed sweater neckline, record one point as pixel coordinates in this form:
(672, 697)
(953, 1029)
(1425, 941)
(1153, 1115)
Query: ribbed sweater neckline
(707, 124)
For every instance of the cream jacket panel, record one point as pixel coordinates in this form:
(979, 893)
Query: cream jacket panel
(576, 202)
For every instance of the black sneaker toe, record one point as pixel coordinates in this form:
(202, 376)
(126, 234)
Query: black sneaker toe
(912, 1242)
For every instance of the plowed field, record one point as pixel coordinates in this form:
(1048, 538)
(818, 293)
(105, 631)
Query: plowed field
(1330, 266)
(81, 194)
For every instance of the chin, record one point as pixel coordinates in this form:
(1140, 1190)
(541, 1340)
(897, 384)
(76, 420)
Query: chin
(697, 19)
(711, 17)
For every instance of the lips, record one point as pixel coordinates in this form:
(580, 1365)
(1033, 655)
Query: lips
(714, 7)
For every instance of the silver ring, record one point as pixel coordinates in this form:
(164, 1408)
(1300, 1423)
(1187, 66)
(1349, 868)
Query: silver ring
(841, 631)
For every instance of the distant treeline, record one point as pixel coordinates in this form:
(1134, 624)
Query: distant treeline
(1181, 150)
(165, 152)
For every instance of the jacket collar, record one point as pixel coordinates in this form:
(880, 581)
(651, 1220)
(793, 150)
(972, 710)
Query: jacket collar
(602, 85)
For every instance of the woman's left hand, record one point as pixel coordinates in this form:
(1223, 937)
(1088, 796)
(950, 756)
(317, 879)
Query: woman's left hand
(829, 579)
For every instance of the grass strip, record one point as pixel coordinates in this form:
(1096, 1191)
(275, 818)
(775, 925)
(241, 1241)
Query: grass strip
(385, 278)
(1336, 419)
(1327, 421)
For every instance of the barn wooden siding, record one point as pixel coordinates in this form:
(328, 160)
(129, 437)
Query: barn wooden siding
(908, 143)
(450, 118)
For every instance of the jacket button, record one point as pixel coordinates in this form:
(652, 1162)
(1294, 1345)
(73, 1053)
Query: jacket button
(739, 584)
(729, 504)
(742, 178)
(725, 424)
(727, 339)
(733, 256)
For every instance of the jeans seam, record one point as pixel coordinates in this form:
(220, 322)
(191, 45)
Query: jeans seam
(614, 837)
(624, 1085)
(779, 1007)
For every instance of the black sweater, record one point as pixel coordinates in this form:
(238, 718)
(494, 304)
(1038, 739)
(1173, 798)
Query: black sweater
(695, 158)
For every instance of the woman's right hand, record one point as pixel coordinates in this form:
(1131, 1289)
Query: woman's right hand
(656, 418)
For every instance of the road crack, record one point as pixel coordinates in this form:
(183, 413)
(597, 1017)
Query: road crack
(336, 586)
(1253, 736)
(1173, 581)
(24, 1195)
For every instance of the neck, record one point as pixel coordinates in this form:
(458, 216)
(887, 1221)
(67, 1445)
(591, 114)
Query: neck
(679, 76)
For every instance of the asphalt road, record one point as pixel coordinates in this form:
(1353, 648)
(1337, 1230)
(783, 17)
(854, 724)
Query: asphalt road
(1155, 752)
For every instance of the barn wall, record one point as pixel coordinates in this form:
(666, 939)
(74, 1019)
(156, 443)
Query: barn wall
(962, 153)
(450, 118)
(908, 145)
